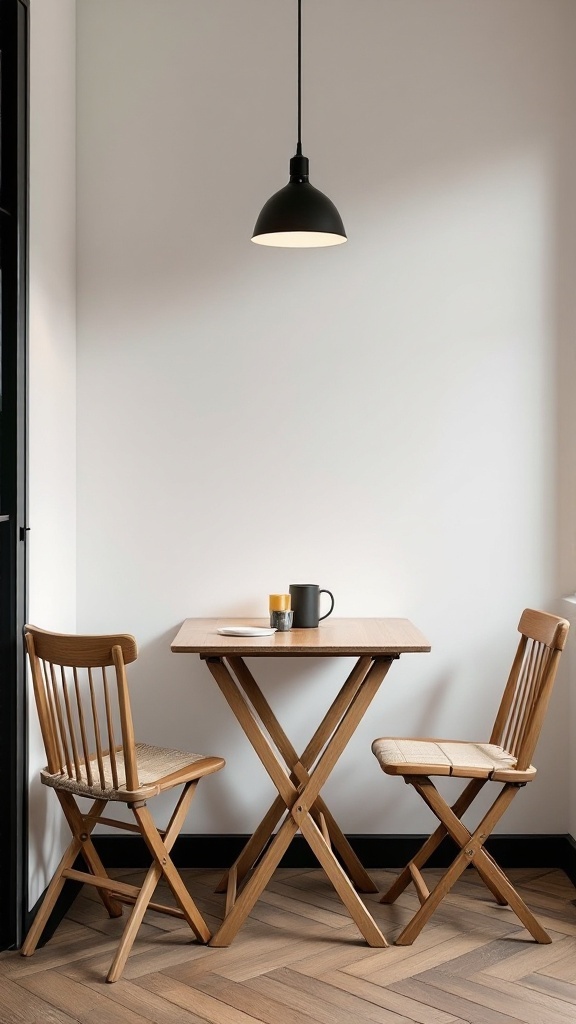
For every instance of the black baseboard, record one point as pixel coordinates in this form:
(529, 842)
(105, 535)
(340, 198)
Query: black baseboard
(569, 862)
(375, 851)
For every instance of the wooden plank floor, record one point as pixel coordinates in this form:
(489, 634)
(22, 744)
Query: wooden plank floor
(299, 959)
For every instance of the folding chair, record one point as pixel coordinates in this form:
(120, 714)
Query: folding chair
(505, 759)
(82, 713)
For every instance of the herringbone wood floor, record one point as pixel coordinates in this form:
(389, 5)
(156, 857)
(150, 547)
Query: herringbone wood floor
(299, 959)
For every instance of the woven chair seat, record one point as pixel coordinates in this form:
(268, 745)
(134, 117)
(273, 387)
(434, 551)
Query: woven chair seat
(462, 759)
(155, 764)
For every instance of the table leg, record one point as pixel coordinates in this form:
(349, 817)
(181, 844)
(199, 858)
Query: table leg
(354, 866)
(344, 732)
(341, 883)
(302, 800)
(253, 848)
(336, 711)
(300, 766)
(255, 884)
(257, 842)
(260, 742)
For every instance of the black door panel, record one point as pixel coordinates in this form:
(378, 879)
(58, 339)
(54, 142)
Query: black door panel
(13, 321)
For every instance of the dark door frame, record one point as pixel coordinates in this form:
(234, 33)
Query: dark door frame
(14, 86)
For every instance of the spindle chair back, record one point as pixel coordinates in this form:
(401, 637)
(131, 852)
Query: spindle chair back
(81, 693)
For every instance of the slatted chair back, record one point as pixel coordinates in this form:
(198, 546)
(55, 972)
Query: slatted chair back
(83, 704)
(525, 700)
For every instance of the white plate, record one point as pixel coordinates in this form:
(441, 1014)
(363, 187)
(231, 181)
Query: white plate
(245, 631)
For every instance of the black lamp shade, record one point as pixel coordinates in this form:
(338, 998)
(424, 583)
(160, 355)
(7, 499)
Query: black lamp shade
(299, 214)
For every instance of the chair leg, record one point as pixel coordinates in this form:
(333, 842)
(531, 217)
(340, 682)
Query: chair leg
(488, 869)
(467, 796)
(133, 923)
(427, 908)
(160, 852)
(81, 826)
(52, 893)
(515, 901)
(471, 851)
(181, 895)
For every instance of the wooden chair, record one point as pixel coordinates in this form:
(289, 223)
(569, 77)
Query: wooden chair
(505, 759)
(88, 734)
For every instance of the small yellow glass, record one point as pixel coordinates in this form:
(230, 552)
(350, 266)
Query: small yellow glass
(279, 602)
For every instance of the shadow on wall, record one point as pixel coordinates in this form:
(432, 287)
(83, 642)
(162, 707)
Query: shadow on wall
(48, 832)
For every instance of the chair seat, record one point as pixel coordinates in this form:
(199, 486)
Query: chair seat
(158, 768)
(462, 759)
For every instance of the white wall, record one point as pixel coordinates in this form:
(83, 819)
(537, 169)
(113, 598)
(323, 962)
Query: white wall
(566, 369)
(569, 610)
(380, 417)
(52, 373)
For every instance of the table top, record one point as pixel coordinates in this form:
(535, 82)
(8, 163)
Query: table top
(334, 637)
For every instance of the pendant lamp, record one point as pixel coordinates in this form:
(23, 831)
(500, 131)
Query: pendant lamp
(299, 215)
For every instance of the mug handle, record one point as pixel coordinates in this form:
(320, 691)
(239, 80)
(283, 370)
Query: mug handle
(331, 596)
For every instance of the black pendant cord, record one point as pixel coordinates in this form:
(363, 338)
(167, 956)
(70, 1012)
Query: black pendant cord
(299, 145)
(299, 215)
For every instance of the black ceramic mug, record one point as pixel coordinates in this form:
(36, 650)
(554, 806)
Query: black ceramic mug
(306, 604)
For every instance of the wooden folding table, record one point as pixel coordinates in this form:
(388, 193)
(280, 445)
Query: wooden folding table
(375, 644)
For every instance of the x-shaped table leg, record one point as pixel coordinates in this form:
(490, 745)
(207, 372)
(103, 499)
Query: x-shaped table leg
(298, 790)
(300, 773)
